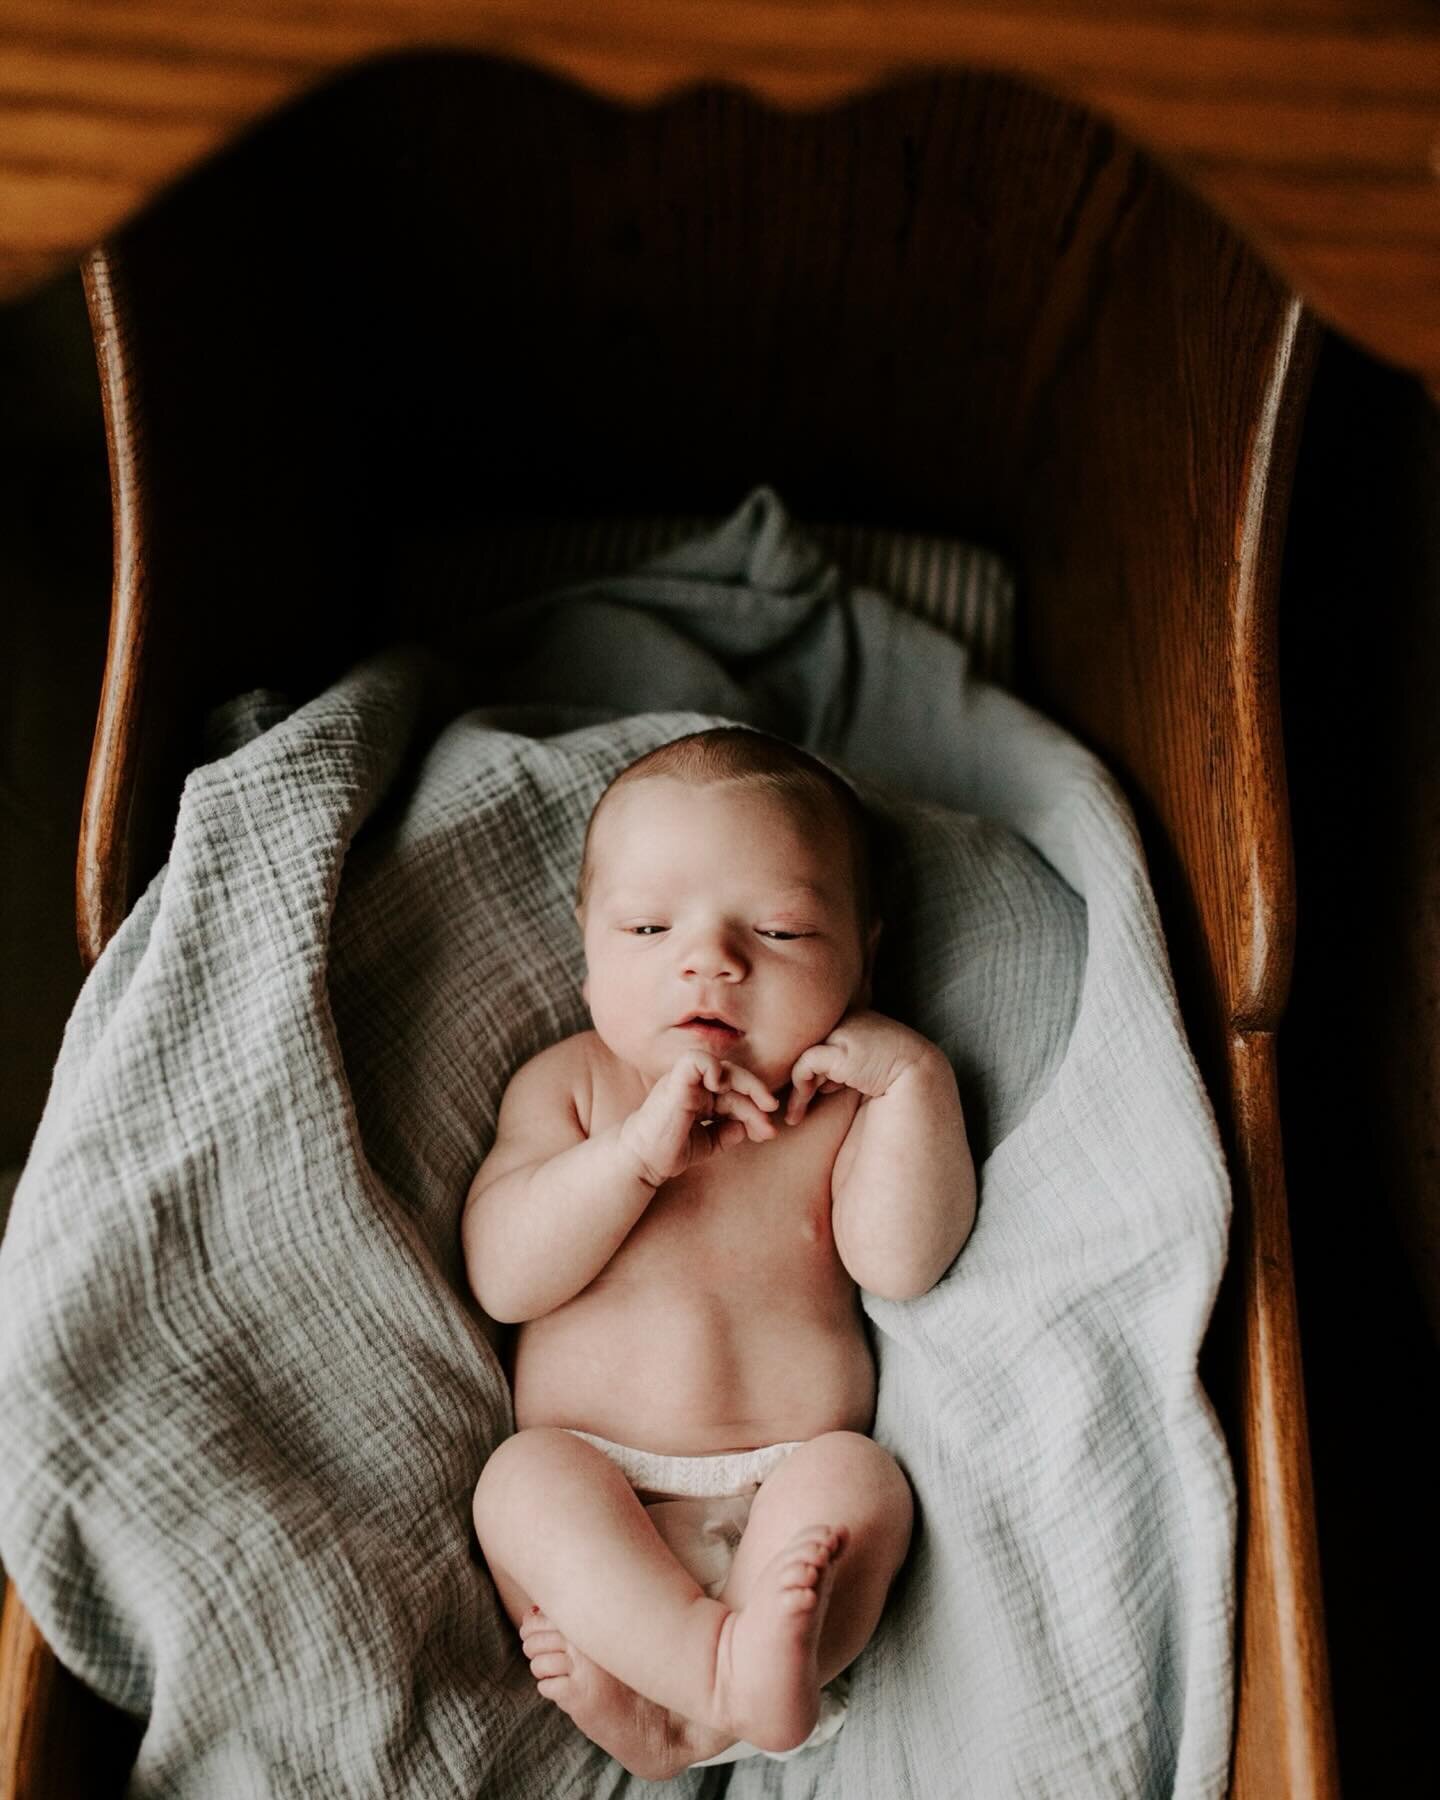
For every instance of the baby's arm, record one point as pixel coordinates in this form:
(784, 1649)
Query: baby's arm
(550, 1205)
(903, 1186)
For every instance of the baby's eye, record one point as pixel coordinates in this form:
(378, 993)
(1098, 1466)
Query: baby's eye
(645, 930)
(784, 936)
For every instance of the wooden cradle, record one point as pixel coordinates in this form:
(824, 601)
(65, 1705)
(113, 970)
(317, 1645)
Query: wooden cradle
(448, 288)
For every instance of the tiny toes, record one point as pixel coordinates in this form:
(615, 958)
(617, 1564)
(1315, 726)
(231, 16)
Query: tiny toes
(827, 1539)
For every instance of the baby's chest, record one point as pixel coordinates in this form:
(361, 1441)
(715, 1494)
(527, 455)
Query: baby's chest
(748, 1212)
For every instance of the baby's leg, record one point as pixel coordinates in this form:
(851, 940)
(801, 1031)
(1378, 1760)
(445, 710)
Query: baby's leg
(793, 1630)
(561, 1527)
(849, 1480)
(647, 1739)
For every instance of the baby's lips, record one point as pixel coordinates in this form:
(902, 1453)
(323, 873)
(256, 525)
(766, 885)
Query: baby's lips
(718, 1033)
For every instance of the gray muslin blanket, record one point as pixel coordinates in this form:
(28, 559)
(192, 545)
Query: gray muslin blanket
(244, 1397)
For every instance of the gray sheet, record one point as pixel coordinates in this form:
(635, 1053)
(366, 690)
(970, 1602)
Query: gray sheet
(243, 1398)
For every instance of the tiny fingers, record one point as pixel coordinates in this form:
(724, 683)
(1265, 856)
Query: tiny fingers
(801, 1090)
(741, 1109)
(704, 1071)
(717, 1135)
(814, 1070)
(746, 1081)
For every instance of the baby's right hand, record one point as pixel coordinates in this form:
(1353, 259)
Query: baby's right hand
(665, 1134)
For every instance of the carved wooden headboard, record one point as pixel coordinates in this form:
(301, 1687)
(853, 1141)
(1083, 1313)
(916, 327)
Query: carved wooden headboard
(1311, 126)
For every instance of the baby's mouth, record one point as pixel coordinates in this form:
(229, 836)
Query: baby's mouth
(709, 1023)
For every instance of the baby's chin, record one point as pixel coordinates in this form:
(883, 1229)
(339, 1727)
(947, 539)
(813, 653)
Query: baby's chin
(654, 1063)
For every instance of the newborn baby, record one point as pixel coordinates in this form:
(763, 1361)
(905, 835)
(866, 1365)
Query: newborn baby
(678, 1210)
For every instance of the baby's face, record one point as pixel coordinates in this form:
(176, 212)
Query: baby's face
(718, 903)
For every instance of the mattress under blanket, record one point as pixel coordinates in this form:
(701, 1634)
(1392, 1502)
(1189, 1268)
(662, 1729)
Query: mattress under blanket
(244, 1396)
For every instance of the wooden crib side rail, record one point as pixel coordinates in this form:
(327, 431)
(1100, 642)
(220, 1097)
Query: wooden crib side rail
(58, 1741)
(1310, 125)
(1284, 1707)
(109, 848)
(1150, 628)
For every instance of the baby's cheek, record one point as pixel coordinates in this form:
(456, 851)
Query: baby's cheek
(784, 1048)
(616, 1029)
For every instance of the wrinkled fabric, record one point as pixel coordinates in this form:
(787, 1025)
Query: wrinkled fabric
(244, 1396)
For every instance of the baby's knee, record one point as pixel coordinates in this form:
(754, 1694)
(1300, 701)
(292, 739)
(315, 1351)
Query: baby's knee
(514, 1473)
(873, 1480)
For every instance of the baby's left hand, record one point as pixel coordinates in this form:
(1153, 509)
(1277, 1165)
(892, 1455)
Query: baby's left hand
(865, 1051)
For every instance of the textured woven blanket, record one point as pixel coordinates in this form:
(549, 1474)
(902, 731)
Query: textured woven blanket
(244, 1396)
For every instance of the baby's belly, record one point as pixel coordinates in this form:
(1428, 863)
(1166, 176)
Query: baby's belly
(693, 1372)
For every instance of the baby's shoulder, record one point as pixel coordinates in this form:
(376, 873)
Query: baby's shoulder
(563, 1074)
(557, 1065)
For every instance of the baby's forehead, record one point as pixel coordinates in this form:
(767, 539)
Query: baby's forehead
(645, 846)
(631, 809)
(632, 826)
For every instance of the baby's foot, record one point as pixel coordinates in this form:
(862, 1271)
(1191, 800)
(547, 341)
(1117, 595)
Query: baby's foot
(644, 1738)
(766, 1679)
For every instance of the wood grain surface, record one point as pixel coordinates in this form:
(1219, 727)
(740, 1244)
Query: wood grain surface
(1312, 126)
(1284, 1670)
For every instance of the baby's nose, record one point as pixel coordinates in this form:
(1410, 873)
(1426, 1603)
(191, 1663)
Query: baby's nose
(715, 958)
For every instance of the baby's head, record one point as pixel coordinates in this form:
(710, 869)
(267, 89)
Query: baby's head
(725, 878)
